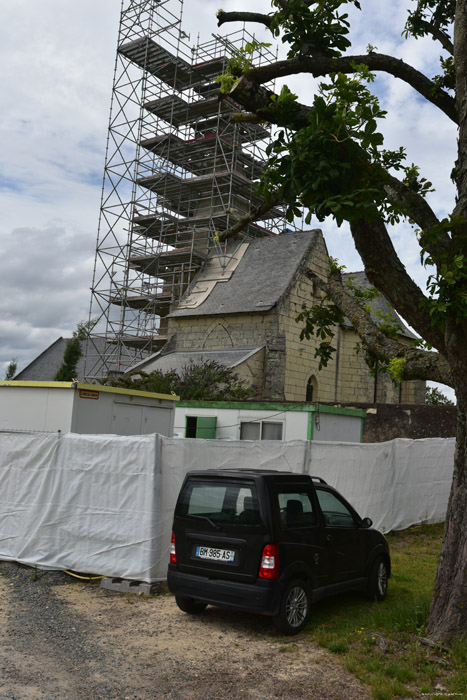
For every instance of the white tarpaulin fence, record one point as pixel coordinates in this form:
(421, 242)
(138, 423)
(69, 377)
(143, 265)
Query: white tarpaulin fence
(104, 503)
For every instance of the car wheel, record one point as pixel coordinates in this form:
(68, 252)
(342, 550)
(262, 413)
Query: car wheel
(294, 609)
(378, 580)
(191, 606)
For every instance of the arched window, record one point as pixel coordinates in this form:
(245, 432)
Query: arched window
(311, 389)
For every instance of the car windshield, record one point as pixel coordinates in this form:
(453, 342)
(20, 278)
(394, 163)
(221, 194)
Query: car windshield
(232, 503)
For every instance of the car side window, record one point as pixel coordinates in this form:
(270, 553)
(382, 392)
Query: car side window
(335, 512)
(296, 509)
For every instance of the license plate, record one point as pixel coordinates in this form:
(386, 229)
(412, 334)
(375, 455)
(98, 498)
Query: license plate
(213, 554)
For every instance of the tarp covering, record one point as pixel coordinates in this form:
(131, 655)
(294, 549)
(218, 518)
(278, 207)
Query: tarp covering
(104, 503)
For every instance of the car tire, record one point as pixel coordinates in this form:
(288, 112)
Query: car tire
(190, 606)
(294, 609)
(378, 580)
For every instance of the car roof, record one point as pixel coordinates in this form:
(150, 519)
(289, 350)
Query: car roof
(255, 473)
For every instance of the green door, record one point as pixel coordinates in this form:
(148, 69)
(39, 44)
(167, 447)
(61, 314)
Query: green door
(201, 427)
(206, 427)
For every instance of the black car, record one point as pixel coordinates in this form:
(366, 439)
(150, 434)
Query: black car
(270, 542)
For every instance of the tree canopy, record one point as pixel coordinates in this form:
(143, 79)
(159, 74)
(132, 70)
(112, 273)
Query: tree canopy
(67, 371)
(329, 157)
(11, 369)
(209, 381)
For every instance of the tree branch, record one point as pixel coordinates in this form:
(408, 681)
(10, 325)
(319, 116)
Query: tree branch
(419, 364)
(386, 272)
(319, 66)
(417, 208)
(257, 99)
(437, 34)
(412, 203)
(243, 17)
(253, 215)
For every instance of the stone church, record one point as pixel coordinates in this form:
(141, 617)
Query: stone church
(240, 311)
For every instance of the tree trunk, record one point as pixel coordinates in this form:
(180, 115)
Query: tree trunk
(448, 614)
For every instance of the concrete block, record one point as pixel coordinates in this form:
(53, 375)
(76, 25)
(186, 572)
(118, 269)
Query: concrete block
(121, 585)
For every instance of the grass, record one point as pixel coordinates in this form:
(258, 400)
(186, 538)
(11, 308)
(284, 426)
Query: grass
(380, 642)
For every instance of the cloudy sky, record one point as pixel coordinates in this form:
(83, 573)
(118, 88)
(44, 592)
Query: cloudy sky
(57, 60)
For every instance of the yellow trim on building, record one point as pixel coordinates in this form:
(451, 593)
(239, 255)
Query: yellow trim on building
(90, 387)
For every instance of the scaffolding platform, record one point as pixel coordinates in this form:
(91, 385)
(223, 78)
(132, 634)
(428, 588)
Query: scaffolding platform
(203, 154)
(152, 303)
(173, 70)
(203, 115)
(155, 264)
(171, 231)
(178, 193)
(150, 342)
(173, 109)
(156, 59)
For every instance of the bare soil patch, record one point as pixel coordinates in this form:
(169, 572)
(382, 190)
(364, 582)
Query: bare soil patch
(63, 639)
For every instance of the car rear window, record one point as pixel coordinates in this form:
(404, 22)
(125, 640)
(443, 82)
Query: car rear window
(226, 502)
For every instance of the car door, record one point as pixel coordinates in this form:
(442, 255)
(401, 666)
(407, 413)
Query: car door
(301, 536)
(218, 528)
(345, 539)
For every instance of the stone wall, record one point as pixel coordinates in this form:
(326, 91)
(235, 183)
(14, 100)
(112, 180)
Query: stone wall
(301, 363)
(237, 331)
(222, 332)
(389, 421)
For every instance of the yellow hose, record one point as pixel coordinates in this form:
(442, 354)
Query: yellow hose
(83, 578)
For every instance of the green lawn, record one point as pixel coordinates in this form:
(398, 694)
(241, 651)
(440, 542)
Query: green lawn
(380, 642)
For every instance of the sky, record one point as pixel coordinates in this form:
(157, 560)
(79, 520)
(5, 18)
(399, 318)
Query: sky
(57, 59)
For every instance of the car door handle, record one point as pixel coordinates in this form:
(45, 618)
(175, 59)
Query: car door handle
(328, 538)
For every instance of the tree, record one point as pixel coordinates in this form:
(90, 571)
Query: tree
(435, 397)
(68, 369)
(209, 381)
(329, 158)
(11, 370)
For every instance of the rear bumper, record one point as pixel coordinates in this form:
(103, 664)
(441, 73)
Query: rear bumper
(259, 597)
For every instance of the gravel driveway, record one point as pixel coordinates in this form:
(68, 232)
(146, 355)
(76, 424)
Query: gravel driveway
(66, 640)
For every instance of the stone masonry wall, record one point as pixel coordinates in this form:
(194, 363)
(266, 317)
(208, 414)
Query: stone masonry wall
(233, 331)
(301, 363)
(387, 422)
(222, 332)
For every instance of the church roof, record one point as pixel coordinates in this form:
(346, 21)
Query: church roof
(177, 361)
(250, 277)
(46, 365)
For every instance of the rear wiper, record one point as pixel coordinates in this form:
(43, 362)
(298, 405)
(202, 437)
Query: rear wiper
(205, 517)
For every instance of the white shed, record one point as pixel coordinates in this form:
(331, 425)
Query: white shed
(231, 420)
(71, 407)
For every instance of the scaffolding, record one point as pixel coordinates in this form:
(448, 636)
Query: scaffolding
(178, 170)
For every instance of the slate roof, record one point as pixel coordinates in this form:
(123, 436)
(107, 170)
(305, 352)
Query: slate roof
(380, 303)
(261, 278)
(46, 365)
(177, 361)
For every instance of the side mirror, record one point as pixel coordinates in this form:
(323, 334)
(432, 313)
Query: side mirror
(367, 522)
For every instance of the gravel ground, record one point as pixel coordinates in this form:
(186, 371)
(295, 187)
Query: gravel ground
(63, 639)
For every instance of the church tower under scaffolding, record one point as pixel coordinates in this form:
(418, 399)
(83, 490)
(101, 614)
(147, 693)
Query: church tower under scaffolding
(178, 170)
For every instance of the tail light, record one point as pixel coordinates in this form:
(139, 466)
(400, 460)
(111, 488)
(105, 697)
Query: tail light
(173, 554)
(269, 568)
